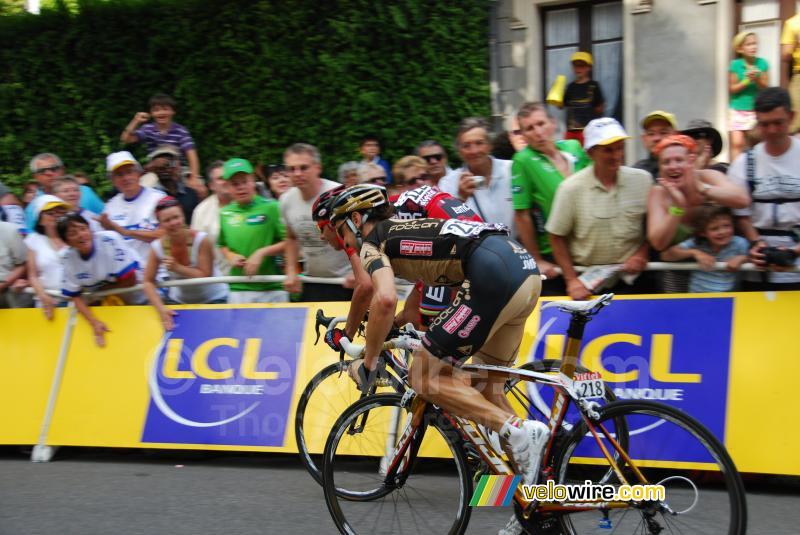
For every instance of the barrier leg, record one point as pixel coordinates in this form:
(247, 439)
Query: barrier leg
(42, 453)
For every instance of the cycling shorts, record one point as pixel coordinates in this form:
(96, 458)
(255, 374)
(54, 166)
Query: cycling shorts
(487, 317)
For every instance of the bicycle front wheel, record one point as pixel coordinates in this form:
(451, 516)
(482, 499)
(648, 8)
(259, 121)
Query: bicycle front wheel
(325, 397)
(704, 493)
(432, 492)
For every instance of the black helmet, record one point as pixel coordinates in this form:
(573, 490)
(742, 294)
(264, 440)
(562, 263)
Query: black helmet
(321, 211)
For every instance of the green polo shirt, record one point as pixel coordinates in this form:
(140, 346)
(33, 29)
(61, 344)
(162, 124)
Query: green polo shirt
(534, 181)
(245, 229)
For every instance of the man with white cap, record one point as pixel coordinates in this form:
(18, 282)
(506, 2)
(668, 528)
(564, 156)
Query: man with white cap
(598, 214)
(131, 212)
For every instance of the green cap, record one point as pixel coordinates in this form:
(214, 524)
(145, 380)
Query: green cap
(235, 165)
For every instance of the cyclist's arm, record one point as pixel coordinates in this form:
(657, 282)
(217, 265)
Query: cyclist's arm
(381, 313)
(361, 297)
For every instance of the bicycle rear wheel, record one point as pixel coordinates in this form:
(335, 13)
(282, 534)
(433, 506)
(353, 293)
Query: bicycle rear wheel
(703, 490)
(432, 491)
(325, 397)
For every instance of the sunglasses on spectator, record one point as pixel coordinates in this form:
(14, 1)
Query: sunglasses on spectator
(376, 180)
(302, 168)
(433, 157)
(52, 168)
(419, 178)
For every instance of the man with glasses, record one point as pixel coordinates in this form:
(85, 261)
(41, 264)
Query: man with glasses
(131, 212)
(771, 173)
(435, 156)
(303, 164)
(45, 168)
(372, 173)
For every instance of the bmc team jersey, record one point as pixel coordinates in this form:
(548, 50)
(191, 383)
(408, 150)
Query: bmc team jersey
(245, 229)
(429, 201)
(424, 202)
(430, 250)
(110, 260)
(137, 213)
(534, 181)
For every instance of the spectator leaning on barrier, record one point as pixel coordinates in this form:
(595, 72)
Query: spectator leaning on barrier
(165, 163)
(205, 217)
(12, 264)
(771, 173)
(185, 254)
(682, 189)
(251, 235)
(96, 262)
(489, 197)
(131, 211)
(655, 126)
(46, 167)
(537, 171)
(713, 241)
(598, 215)
(68, 189)
(436, 157)
(45, 272)
(163, 131)
(302, 236)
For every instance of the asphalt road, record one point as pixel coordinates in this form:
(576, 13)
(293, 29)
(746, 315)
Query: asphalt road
(88, 492)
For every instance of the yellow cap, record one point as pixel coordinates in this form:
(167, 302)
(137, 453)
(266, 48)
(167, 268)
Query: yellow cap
(660, 114)
(582, 56)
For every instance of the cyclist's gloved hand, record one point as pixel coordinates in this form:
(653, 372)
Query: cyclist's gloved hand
(334, 337)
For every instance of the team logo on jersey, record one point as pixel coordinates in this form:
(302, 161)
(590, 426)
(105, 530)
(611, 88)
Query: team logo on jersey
(256, 219)
(416, 248)
(458, 317)
(463, 333)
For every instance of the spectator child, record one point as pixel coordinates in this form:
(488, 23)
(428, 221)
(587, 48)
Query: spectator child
(95, 262)
(185, 254)
(163, 131)
(251, 235)
(714, 241)
(583, 98)
(748, 74)
(370, 149)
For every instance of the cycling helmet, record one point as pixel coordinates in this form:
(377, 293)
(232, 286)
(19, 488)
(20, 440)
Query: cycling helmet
(321, 210)
(358, 198)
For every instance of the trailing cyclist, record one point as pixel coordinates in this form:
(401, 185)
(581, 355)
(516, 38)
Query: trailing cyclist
(499, 285)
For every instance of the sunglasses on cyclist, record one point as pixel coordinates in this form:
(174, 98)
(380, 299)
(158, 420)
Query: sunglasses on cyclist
(52, 168)
(433, 157)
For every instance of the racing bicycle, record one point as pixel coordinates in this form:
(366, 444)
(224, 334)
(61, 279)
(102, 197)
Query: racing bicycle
(394, 463)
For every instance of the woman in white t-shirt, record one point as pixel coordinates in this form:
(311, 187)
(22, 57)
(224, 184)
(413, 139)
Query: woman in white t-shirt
(185, 254)
(94, 262)
(44, 246)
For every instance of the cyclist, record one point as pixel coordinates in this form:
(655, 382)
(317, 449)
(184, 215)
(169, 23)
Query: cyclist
(499, 286)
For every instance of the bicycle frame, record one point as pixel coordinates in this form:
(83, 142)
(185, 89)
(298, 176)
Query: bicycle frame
(564, 395)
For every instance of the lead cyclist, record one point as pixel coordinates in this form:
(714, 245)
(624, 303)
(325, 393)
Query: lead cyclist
(499, 285)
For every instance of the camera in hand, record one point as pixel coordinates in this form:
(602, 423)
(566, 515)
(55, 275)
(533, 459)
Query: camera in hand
(779, 257)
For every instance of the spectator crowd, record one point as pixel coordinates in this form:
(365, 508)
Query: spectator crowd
(571, 202)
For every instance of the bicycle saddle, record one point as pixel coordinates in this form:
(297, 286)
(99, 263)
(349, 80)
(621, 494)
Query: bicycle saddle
(579, 307)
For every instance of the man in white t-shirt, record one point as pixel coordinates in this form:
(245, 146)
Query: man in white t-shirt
(131, 212)
(771, 173)
(302, 162)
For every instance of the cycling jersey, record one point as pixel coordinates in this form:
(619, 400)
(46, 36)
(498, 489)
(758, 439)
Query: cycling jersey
(424, 202)
(430, 250)
(429, 201)
(499, 282)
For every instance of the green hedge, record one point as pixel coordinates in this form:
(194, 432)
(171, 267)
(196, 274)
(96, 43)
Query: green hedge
(250, 77)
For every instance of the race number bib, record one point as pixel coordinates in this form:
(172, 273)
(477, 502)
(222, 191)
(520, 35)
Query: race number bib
(589, 385)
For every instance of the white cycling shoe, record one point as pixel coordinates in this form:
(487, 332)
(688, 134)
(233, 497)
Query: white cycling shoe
(527, 456)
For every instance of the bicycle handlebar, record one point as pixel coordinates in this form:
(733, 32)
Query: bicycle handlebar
(404, 338)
